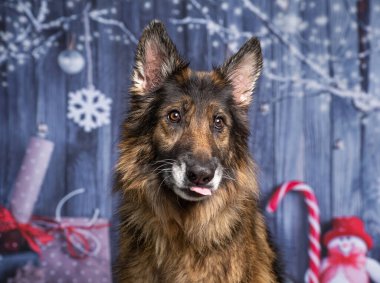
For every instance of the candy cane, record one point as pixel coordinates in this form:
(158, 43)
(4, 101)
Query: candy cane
(314, 250)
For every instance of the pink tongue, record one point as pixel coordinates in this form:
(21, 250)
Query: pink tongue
(202, 191)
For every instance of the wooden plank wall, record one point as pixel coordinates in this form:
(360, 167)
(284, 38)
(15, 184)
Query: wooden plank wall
(297, 132)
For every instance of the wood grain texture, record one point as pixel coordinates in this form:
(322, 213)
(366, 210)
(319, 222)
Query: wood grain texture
(370, 170)
(289, 150)
(81, 147)
(51, 109)
(4, 130)
(345, 119)
(262, 121)
(295, 138)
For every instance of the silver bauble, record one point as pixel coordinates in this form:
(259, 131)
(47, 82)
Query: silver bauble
(71, 61)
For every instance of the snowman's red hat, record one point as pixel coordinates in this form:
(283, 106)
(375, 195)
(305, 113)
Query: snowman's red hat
(348, 226)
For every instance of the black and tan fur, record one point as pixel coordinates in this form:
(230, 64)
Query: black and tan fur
(164, 238)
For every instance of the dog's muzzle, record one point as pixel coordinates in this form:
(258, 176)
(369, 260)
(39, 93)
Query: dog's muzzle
(194, 180)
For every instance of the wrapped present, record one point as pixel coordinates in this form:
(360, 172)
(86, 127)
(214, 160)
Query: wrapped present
(11, 263)
(16, 236)
(80, 251)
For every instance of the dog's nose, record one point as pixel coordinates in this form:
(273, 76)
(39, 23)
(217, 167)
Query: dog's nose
(200, 175)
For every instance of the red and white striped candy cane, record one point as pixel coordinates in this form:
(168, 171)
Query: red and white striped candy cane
(313, 219)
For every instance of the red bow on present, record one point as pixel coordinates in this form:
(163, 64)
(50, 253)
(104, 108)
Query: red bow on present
(30, 233)
(77, 237)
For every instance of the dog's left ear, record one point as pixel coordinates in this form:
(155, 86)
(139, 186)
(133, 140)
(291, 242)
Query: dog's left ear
(156, 58)
(242, 70)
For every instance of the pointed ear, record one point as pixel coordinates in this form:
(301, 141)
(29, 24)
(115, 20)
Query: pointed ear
(242, 70)
(156, 58)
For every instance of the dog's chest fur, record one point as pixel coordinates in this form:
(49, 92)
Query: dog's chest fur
(231, 248)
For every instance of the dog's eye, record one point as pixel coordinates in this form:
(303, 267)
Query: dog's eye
(174, 116)
(218, 123)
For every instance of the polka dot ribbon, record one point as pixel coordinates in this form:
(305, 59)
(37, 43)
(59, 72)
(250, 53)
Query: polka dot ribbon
(314, 250)
(32, 234)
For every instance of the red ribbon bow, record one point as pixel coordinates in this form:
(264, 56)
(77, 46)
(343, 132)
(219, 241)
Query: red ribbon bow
(30, 233)
(73, 235)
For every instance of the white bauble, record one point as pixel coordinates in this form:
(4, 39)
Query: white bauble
(71, 61)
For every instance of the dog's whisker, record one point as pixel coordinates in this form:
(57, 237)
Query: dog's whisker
(164, 160)
(163, 171)
(159, 187)
(160, 167)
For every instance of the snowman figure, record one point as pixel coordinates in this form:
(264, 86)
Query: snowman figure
(347, 244)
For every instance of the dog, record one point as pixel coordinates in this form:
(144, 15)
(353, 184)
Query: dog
(189, 195)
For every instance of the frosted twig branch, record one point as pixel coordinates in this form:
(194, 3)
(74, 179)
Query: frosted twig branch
(96, 15)
(363, 101)
(30, 38)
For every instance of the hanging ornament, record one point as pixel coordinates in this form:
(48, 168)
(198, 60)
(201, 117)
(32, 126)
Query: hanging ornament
(70, 60)
(88, 107)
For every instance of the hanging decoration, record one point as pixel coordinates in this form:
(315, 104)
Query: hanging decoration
(314, 250)
(88, 107)
(70, 60)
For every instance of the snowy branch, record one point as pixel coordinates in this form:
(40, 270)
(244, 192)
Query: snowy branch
(37, 35)
(321, 80)
(361, 100)
(97, 16)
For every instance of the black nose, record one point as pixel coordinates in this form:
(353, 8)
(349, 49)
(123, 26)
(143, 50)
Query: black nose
(199, 175)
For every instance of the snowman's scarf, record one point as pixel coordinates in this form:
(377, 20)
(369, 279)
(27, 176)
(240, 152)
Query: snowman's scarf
(356, 259)
(352, 266)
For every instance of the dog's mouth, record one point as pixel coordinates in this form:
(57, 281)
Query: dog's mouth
(193, 193)
(201, 191)
(177, 178)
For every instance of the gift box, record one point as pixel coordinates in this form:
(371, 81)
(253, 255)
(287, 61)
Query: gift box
(79, 252)
(10, 263)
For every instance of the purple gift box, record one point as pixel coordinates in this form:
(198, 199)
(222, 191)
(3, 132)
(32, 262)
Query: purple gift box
(67, 260)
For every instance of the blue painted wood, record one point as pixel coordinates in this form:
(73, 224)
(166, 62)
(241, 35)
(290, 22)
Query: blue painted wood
(370, 177)
(21, 123)
(346, 132)
(81, 147)
(317, 112)
(4, 130)
(289, 144)
(262, 118)
(51, 110)
(294, 139)
(196, 40)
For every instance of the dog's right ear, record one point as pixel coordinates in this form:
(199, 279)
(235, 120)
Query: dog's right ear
(156, 58)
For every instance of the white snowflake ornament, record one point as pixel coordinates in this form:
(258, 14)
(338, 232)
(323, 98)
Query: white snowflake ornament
(89, 108)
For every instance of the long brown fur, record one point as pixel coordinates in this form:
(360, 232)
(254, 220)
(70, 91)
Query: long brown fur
(166, 239)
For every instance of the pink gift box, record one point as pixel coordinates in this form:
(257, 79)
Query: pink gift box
(89, 263)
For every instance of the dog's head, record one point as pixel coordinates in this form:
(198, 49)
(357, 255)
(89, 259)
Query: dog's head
(196, 122)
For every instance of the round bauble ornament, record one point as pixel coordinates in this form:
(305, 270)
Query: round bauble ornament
(71, 61)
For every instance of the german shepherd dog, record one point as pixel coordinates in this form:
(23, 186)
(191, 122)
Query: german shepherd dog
(189, 196)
